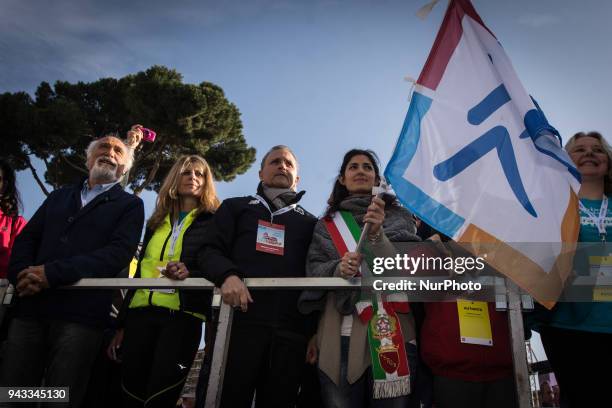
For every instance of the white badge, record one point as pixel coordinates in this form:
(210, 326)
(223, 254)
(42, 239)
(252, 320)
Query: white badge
(160, 267)
(270, 238)
(600, 220)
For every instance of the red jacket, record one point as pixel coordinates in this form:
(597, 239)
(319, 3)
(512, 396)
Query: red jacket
(448, 357)
(9, 228)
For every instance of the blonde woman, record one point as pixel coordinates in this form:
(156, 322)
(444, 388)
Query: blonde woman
(162, 328)
(578, 334)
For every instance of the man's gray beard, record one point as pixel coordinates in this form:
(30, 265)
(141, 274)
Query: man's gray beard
(103, 174)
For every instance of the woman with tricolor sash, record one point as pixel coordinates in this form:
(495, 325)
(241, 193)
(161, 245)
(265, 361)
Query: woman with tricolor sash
(577, 335)
(366, 342)
(161, 328)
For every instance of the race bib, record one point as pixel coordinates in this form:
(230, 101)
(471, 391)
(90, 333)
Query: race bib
(270, 238)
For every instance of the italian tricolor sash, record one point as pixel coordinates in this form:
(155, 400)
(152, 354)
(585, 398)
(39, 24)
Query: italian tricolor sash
(387, 348)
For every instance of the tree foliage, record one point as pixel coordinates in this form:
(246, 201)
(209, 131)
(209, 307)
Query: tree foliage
(59, 123)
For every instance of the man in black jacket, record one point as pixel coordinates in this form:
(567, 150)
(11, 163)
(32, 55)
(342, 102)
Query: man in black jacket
(263, 235)
(90, 230)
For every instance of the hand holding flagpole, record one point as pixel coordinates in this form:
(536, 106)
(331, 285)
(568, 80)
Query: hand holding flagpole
(378, 192)
(367, 226)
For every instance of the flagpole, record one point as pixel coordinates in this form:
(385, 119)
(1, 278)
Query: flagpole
(517, 343)
(366, 231)
(382, 189)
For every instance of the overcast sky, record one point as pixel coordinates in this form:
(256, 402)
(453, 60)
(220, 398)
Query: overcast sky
(320, 76)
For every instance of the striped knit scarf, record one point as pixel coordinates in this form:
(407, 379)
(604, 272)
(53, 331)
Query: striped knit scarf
(387, 348)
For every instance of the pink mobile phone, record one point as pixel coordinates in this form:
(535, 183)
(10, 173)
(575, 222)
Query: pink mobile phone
(148, 135)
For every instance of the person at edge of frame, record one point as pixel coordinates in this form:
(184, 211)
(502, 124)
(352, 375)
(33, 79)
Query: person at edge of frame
(577, 334)
(87, 230)
(11, 224)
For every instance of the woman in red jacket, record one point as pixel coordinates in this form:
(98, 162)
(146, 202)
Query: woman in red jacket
(11, 223)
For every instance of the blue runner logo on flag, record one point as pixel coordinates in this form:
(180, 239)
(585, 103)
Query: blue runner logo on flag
(478, 161)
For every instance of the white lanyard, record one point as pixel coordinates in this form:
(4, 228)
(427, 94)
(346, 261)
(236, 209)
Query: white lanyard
(176, 232)
(600, 219)
(277, 212)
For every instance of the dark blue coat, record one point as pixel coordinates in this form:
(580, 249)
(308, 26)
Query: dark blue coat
(95, 241)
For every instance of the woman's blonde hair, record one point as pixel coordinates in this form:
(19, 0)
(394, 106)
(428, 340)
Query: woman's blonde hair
(168, 200)
(607, 148)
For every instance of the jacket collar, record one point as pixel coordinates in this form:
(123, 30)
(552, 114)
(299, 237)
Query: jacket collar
(112, 194)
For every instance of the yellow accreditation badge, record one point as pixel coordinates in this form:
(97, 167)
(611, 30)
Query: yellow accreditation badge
(601, 267)
(160, 267)
(474, 322)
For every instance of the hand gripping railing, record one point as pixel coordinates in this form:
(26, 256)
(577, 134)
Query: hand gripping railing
(506, 294)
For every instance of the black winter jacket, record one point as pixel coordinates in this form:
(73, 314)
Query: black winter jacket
(229, 249)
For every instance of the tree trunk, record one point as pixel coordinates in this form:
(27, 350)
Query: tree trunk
(151, 174)
(38, 180)
(71, 164)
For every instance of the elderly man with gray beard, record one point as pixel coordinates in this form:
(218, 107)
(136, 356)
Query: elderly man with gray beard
(88, 230)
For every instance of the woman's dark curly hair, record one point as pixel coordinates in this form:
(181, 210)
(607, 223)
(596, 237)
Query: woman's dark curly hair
(339, 192)
(10, 202)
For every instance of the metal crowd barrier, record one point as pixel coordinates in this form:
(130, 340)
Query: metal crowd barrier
(508, 296)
